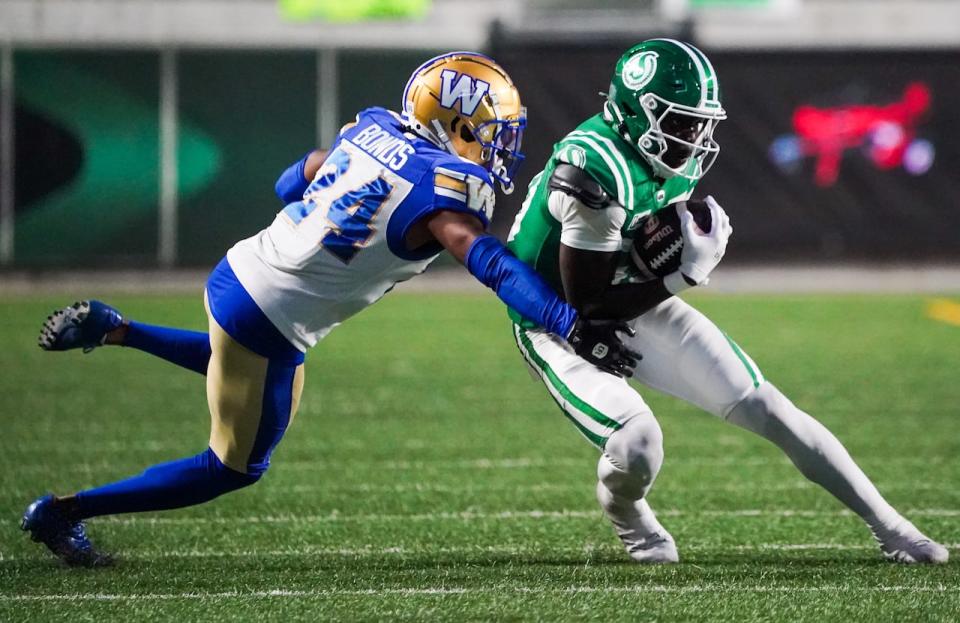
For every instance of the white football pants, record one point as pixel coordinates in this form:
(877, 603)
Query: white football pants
(685, 355)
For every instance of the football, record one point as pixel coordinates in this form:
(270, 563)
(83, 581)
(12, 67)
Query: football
(659, 240)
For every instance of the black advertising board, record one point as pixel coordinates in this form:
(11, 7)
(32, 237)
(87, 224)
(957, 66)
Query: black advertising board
(825, 156)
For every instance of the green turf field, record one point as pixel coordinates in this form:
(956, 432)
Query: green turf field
(427, 477)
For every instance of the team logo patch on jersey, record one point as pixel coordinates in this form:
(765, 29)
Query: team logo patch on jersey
(466, 89)
(639, 70)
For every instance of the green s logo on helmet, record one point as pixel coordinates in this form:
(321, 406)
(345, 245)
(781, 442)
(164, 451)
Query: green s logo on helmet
(664, 99)
(639, 70)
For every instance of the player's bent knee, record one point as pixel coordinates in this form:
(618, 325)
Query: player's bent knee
(223, 479)
(765, 411)
(632, 457)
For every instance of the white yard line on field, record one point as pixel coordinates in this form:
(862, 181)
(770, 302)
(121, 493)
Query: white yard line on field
(672, 488)
(524, 590)
(533, 462)
(495, 550)
(336, 516)
(664, 489)
(354, 465)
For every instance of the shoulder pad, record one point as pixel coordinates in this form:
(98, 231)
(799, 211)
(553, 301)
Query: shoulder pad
(577, 183)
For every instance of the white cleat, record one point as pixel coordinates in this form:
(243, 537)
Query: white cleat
(645, 540)
(906, 544)
(654, 549)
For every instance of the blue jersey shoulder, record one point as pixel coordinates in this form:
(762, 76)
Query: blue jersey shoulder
(441, 180)
(381, 133)
(465, 167)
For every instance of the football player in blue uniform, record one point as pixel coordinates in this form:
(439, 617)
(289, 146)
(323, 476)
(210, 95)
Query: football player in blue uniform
(391, 193)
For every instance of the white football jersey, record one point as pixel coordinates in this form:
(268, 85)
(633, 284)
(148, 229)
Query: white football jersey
(343, 246)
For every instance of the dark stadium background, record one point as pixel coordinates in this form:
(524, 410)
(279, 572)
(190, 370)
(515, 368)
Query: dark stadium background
(87, 148)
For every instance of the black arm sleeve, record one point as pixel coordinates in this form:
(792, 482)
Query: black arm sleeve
(577, 183)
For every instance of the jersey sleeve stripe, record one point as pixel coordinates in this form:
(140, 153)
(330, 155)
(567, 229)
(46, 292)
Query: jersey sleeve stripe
(445, 181)
(615, 171)
(618, 157)
(452, 194)
(457, 175)
(617, 175)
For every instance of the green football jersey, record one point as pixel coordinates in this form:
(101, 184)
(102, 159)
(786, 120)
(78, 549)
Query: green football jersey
(597, 149)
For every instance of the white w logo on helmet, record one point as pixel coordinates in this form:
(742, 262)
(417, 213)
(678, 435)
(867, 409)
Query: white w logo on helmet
(464, 88)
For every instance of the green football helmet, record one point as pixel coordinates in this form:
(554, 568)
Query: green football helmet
(664, 99)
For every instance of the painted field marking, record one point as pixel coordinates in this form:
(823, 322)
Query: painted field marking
(497, 550)
(511, 463)
(665, 489)
(662, 488)
(444, 590)
(944, 310)
(336, 516)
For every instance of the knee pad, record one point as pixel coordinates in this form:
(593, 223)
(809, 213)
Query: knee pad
(632, 457)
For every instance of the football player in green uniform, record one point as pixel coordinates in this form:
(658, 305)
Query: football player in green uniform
(645, 153)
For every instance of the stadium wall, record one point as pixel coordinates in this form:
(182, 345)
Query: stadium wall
(869, 179)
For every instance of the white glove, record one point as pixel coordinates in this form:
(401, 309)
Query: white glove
(701, 251)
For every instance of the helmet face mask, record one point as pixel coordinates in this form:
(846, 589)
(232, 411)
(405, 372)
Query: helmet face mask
(465, 103)
(684, 133)
(664, 100)
(678, 140)
(502, 150)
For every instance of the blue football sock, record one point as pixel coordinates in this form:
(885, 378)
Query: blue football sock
(176, 484)
(188, 349)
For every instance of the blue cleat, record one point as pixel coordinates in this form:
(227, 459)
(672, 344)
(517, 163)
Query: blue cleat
(66, 538)
(84, 324)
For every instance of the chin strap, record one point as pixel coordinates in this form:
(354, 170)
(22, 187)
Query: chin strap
(442, 135)
(507, 189)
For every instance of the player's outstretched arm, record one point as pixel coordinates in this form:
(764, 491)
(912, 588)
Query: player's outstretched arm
(294, 180)
(520, 287)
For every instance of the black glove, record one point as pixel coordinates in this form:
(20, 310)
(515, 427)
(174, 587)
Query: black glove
(597, 342)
